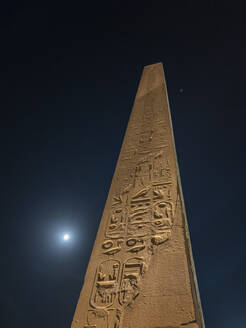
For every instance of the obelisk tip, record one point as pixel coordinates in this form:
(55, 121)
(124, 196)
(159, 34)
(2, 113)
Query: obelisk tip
(154, 65)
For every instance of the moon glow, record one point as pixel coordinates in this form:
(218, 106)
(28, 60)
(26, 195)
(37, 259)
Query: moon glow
(66, 236)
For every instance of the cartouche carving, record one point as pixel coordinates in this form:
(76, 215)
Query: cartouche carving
(109, 318)
(132, 271)
(106, 284)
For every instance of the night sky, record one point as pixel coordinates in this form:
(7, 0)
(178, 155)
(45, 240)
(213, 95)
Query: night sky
(69, 75)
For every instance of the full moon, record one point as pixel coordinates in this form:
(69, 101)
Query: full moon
(66, 236)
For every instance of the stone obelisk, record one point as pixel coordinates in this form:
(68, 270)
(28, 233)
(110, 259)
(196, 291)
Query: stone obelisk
(141, 272)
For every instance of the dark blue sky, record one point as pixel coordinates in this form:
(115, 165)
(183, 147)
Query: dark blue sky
(69, 74)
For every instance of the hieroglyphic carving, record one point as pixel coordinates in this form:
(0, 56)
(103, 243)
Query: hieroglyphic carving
(106, 284)
(141, 217)
(109, 318)
(117, 222)
(111, 247)
(132, 271)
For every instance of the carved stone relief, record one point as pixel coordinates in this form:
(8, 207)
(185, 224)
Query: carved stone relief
(141, 212)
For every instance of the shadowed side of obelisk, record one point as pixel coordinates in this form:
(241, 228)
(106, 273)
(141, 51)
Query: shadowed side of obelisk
(141, 272)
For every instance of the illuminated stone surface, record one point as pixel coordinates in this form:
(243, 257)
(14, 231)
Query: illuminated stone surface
(141, 272)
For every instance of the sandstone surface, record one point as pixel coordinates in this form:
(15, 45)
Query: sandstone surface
(141, 272)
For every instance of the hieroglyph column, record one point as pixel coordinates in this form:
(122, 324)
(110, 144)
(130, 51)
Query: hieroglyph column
(141, 272)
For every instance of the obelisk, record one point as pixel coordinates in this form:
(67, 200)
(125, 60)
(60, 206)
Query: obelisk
(141, 272)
